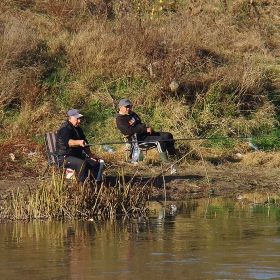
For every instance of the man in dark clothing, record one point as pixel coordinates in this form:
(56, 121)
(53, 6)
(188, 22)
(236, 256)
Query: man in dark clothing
(72, 150)
(129, 123)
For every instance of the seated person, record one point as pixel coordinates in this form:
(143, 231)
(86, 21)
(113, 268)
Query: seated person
(72, 150)
(129, 123)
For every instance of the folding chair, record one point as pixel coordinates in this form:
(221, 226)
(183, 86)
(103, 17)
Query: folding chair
(50, 145)
(144, 146)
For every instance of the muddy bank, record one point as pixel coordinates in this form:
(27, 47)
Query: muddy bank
(192, 181)
(226, 175)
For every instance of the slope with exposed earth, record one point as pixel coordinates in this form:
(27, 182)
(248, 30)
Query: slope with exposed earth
(257, 171)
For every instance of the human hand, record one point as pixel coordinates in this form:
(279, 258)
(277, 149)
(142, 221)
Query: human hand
(94, 157)
(149, 130)
(82, 143)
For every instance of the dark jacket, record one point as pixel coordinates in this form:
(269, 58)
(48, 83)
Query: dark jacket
(131, 124)
(66, 132)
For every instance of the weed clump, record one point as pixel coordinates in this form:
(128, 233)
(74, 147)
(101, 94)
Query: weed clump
(63, 199)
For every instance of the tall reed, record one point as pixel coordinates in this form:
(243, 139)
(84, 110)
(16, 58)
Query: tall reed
(66, 199)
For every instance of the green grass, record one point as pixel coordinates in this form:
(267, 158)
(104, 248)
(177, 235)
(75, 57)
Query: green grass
(226, 68)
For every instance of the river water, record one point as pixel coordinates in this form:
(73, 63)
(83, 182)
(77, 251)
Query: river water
(207, 239)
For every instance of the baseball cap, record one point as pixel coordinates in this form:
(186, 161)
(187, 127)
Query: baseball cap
(125, 102)
(74, 113)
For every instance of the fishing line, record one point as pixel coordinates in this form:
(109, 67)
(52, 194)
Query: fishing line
(233, 96)
(189, 139)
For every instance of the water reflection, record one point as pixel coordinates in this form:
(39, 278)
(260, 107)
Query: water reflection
(206, 239)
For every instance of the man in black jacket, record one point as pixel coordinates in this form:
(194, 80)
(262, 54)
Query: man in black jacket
(72, 150)
(129, 123)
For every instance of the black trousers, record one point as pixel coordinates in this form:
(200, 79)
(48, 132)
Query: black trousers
(160, 137)
(81, 166)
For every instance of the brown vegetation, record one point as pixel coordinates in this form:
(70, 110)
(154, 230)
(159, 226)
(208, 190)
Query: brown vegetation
(60, 54)
(192, 67)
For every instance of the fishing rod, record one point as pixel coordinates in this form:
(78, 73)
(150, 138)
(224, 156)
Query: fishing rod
(179, 139)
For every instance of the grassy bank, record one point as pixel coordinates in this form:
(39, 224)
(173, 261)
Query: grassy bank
(195, 68)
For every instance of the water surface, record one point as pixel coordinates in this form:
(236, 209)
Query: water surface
(209, 239)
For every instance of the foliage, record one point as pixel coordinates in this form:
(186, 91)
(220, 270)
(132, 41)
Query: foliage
(221, 55)
(61, 199)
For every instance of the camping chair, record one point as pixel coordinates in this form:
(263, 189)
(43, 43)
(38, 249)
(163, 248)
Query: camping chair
(50, 145)
(144, 146)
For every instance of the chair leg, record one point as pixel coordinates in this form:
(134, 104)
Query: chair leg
(127, 153)
(126, 156)
(45, 171)
(48, 166)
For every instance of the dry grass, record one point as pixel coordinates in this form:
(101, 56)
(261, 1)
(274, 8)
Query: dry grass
(259, 158)
(61, 199)
(79, 53)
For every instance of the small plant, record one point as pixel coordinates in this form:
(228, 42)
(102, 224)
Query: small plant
(63, 199)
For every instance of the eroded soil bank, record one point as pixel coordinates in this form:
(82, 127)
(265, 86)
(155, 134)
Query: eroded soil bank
(256, 171)
(192, 181)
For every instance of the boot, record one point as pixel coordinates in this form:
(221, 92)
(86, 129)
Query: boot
(174, 154)
(163, 156)
(172, 151)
